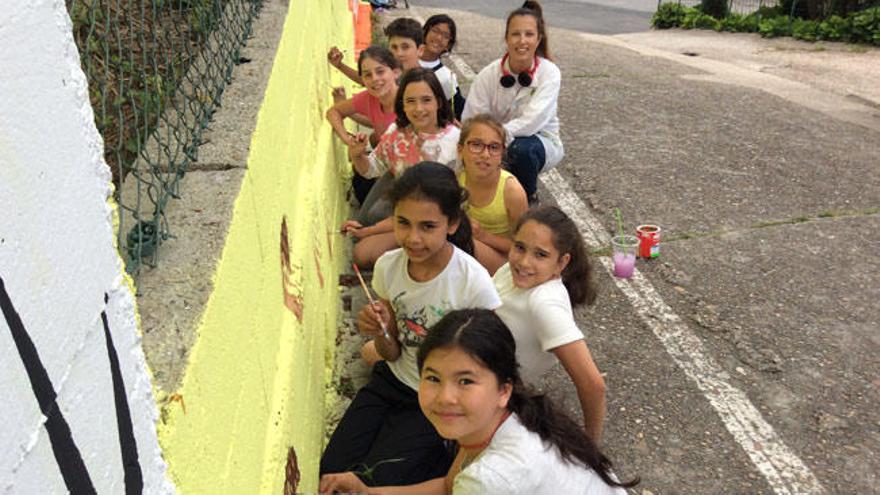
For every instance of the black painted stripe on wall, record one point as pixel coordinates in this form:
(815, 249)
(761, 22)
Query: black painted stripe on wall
(67, 455)
(134, 480)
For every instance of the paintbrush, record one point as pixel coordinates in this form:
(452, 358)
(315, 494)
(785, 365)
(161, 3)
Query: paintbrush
(370, 298)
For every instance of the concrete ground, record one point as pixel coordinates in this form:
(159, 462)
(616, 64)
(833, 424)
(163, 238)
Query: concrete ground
(172, 296)
(759, 159)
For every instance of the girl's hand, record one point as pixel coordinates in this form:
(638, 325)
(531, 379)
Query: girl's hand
(334, 56)
(355, 229)
(369, 316)
(350, 227)
(358, 145)
(342, 483)
(477, 229)
(338, 94)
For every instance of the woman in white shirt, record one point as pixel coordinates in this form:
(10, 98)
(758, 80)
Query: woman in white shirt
(521, 90)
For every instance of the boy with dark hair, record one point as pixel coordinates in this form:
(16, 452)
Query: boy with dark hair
(405, 40)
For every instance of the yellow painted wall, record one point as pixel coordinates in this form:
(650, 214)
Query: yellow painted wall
(255, 382)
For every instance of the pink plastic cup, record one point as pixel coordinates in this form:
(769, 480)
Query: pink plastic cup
(623, 254)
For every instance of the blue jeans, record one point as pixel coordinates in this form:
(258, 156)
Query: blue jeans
(525, 158)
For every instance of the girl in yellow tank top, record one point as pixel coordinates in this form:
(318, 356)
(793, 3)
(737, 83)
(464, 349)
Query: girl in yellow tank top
(495, 198)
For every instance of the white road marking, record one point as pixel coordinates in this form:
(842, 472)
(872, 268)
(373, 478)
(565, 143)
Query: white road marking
(783, 470)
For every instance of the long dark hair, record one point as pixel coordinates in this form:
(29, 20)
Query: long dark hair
(435, 182)
(379, 54)
(533, 8)
(444, 109)
(578, 275)
(441, 19)
(482, 335)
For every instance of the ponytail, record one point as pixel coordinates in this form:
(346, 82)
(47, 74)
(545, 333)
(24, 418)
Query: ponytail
(534, 6)
(463, 237)
(538, 414)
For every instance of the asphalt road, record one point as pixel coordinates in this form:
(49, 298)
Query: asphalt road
(745, 358)
(596, 16)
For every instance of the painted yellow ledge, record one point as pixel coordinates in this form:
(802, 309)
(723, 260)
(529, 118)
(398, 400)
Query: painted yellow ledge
(254, 386)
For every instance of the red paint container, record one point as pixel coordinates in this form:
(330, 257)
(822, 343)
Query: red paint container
(649, 241)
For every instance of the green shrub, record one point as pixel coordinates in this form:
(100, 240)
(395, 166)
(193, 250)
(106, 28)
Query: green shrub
(706, 21)
(835, 28)
(765, 12)
(866, 26)
(803, 29)
(668, 15)
(694, 19)
(773, 27)
(738, 23)
(770, 22)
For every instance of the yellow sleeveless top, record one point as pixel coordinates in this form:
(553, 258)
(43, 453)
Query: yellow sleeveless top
(492, 217)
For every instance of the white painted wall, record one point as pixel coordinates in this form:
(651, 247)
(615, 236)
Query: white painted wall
(57, 263)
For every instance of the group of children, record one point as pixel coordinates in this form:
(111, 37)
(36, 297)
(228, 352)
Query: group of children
(475, 287)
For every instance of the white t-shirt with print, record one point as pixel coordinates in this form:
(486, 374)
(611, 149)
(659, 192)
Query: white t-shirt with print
(399, 149)
(539, 318)
(464, 283)
(517, 461)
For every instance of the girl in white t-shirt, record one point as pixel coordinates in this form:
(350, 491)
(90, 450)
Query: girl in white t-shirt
(510, 440)
(423, 131)
(548, 272)
(431, 274)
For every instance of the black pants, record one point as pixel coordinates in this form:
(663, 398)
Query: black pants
(384, 430)
(458, 102)
(361, 186)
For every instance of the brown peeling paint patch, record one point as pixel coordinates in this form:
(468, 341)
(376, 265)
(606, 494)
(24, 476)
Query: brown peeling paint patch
(291, 473)
(291, 289)
(317, 254)
(330, 234)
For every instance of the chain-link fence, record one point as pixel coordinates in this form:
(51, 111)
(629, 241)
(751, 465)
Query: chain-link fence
(155, 69)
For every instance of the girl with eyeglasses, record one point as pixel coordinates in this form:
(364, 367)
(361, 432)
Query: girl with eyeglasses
(440, 33)
(495, 198)
(520, 90)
